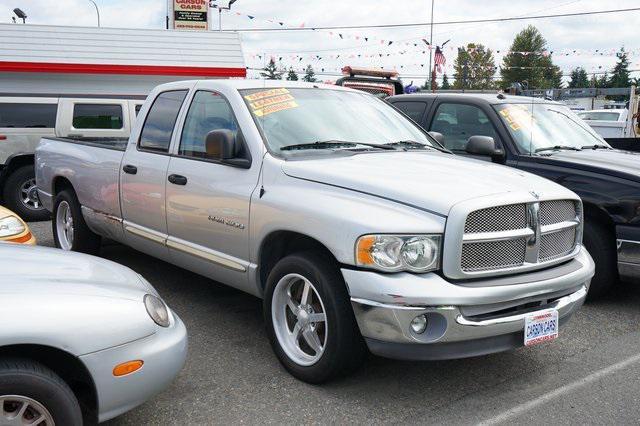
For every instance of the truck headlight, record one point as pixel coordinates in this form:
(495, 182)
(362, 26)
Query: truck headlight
(10, 226)
(393, 253)
(157, 310)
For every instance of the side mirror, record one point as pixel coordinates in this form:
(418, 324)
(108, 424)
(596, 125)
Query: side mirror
(221, 144)
(483, 145)
(438, 137)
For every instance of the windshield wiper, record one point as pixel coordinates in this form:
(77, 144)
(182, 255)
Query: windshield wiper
(409, 144)
(331, 144)
(596, 146)
(557, 148)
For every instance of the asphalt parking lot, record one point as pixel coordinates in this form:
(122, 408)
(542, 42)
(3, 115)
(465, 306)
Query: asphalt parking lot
(590, 375)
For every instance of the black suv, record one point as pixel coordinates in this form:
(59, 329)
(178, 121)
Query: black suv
(546, 138)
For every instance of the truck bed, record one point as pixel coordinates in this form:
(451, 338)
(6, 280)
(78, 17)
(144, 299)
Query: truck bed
(92, 166)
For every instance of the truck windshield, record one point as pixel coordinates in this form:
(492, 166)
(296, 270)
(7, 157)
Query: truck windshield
(294, 119)
(547, 127)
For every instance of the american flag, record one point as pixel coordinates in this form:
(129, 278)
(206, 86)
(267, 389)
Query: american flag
(439, 59)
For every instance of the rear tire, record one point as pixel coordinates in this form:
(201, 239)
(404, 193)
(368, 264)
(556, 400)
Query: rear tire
(70, 231)
(601, 245)
(24, 382)
(342, 348)
(20, 195)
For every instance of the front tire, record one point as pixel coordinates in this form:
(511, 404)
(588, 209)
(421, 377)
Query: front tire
(30, 391)
(309, 318)
(70, 231)
(601, 245)
(21, 196)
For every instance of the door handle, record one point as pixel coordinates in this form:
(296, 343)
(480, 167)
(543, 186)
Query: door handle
(177, 180)
(128, 168)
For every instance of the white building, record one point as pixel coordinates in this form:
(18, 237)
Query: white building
(55, 60)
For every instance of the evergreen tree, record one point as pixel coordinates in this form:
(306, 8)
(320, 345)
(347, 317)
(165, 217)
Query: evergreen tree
(535, 67)
(474, 68)
(579, 79)
(445, 82)
(291, 75)
(271, 71)
(620, 74)
(309, 75)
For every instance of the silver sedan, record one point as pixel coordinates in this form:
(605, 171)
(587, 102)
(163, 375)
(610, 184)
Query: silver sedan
(82, 339)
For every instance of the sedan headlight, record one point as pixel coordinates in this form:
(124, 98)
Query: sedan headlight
(10, 226)
(157, 310)
(393, 253)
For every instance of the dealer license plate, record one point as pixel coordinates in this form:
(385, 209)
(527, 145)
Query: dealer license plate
(540, 327)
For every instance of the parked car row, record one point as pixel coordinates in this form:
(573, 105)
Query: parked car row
(357, 228)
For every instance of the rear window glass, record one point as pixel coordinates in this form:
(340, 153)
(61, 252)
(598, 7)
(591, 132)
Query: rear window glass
(28, 116)
(161, 119)
(97, 116)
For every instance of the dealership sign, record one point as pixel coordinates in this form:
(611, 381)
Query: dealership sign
(190, 14)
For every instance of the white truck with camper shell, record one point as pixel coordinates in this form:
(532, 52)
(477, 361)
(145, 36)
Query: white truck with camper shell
(355, 226)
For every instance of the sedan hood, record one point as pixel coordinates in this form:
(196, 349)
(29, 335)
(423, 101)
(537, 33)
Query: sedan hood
(619, 163)
(427, 180)
(59, 272)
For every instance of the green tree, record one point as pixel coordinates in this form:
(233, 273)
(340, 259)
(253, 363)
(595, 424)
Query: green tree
(291, 75)
(535, 66)
(271, 71)
(309, 75)
(474, 67)
(620, 73)
(578, 78)
(445, 82)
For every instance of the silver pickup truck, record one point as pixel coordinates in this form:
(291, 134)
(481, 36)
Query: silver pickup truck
(356, 227)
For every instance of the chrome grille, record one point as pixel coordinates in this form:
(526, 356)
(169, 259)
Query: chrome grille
(557, 211)
(518, 235)
(501, 218)
(557, 244)
(493, 255)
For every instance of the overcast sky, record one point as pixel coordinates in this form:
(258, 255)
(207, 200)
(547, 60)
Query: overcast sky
(602, 32)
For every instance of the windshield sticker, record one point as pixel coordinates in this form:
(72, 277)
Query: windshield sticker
(270, 109)
(266, 94)
(516, 117)
(261, 103)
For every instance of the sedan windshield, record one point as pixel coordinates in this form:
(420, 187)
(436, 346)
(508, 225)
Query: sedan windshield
(538, 128)
(295, 119)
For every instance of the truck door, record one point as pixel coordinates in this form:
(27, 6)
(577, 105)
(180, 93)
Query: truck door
(143, 176)
(208, 200)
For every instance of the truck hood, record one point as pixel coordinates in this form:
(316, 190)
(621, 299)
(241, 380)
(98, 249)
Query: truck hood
(619, 163)
(42, 269)
(427, 180)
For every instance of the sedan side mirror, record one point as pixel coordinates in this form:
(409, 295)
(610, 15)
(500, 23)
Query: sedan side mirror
(483, 145)
(439, 137)
(221, 144)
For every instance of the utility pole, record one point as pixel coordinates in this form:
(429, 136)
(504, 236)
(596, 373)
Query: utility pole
(431, 48)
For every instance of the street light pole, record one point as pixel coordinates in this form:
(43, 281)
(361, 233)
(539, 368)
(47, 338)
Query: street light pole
(97, 11)
(220, 8)
(431, 47)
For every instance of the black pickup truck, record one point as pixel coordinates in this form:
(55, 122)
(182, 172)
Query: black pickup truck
(546, 138)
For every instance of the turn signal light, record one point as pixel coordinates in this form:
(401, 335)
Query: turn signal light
(127, 368)
(22, 239)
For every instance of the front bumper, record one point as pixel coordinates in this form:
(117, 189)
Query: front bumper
(464, 319)
(163, 353)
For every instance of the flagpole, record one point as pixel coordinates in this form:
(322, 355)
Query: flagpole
(431, 46)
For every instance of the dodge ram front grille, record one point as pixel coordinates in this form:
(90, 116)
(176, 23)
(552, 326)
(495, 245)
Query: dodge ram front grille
(518, 235)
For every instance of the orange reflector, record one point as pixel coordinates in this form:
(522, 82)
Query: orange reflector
(365, 246)
(127, 368)
(22, 239)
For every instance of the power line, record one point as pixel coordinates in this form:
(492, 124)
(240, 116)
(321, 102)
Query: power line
(426, 24)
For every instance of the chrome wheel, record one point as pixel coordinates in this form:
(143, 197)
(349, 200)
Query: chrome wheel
(28, 193)
(299, 319)
(20, 410)
(64, 225)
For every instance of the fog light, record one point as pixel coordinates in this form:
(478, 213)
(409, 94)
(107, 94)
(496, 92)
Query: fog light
(419, 324)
